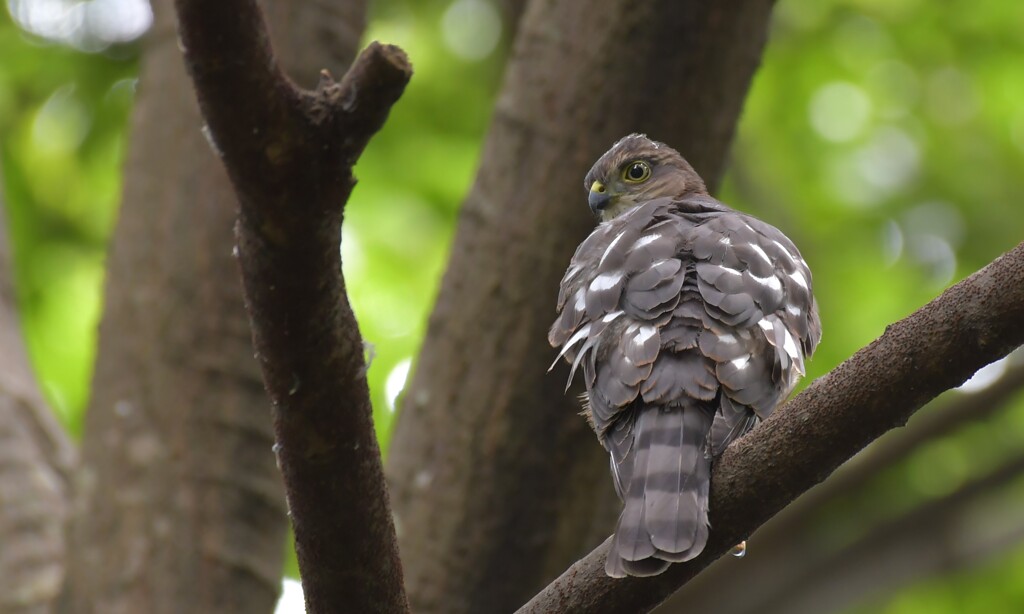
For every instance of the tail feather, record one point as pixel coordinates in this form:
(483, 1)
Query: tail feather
(664, 517)
(633, 541)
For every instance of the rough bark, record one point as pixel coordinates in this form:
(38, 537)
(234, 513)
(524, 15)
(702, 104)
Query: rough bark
(897, 446)
(497, 482)
(179, 503)
(289, 154)
(975, 322)
(35, 458)
(788, 547)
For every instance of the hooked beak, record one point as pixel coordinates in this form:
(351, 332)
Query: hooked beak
(599, 197)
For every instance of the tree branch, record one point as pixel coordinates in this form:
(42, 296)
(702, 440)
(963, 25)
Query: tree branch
(289, 154)
(180, 505)
(977, 321)
(788, 545)
(930, 425)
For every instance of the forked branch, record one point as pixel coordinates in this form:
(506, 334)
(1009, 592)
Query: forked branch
(289, 154)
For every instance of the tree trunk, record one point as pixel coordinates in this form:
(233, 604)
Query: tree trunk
(289, 153)
(497, 484)
(180, 506)
(35, 458)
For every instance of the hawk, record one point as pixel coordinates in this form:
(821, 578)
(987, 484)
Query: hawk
(691, 322)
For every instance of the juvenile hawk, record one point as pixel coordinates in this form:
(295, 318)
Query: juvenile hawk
(691, 322)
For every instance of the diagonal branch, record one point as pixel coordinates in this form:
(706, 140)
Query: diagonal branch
(289, 154)
(889, 450)
(787, 547)
(977, 321)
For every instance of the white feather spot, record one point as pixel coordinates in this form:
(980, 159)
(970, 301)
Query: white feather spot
(605, 281)
(771, 282)
(785, 250)
(767, 327)
(611, 316)
(727, 339)
(644, 335)
(608, 250)
(580, 334)
(799, 279)
(587, 346)
(646, 240)
(580, 301)
(741, 362)
(789, 345)
(794, 310)
(725, 241)
(760, 252)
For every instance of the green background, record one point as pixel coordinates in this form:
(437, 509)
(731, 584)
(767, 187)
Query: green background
(886, 137)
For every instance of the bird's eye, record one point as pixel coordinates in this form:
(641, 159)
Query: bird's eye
(636, 172)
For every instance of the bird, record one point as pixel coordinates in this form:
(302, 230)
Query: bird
(690, 322)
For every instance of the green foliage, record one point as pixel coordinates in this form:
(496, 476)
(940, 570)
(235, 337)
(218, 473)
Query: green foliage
(994, 587)
(62, 120)
(884, 136)
(412, 178)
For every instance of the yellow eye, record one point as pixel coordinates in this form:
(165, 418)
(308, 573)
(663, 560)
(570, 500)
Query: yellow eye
(636, 172)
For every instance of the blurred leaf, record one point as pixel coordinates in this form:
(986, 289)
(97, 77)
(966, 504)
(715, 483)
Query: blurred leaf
(885, 136)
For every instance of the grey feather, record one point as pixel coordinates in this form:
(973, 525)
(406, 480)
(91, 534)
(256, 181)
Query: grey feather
(664, 487)
(677, 472)
(731, 422)
(690, 322)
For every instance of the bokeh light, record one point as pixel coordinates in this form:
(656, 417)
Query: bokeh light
(90, 25)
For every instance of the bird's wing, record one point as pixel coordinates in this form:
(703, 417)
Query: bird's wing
(620, 289)
(664, 306)
(759, 317)
(689, 321)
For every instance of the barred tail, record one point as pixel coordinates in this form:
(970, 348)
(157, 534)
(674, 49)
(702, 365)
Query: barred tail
(662, 471)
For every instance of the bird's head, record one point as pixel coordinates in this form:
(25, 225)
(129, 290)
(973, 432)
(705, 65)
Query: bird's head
(636, 170)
